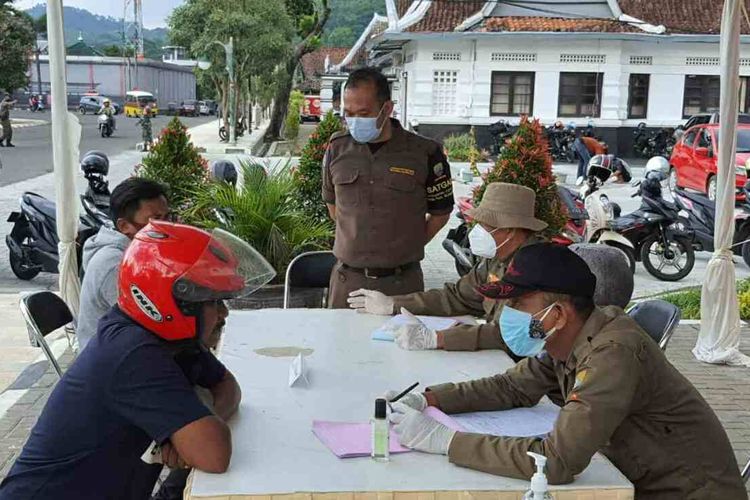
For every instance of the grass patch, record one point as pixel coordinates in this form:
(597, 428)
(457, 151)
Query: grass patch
(689, 300)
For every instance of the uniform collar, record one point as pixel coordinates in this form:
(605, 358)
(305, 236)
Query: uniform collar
(531, 240)
(582, 345)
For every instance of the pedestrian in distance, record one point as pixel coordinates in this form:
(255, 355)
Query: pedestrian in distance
(5, 107)
(146, 130)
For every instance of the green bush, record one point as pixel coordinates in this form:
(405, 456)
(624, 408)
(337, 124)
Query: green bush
(689, 301)
(291, 123)
(459, 147)
(176, 163)
(264, 214)
(308, 175)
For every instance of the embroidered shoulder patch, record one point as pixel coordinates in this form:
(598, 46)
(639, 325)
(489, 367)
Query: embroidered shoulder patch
(580, 379)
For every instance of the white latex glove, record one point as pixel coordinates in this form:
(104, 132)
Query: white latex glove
(415, 400)
(371, 302)
(415, 337)
(419, 432)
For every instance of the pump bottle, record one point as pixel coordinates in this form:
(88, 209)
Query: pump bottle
(538, 489)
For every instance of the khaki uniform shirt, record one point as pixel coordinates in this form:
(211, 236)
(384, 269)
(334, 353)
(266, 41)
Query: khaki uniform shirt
(5, 107)
(457, 299)
(382, 198)
(619, 395)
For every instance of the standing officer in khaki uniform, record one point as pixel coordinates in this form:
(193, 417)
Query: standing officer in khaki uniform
(389, 191)
(618, 393)
(505, 222)
(5, 106)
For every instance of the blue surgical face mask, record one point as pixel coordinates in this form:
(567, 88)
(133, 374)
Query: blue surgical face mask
(364, 129)
(522, 332)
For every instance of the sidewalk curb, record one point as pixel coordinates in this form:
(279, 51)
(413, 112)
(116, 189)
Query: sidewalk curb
(26, 123)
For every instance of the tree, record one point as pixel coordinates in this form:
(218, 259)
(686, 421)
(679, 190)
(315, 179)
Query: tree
(262, 33)
(307, 178)
(16, 44)
(343, 36)
(348, 20)
(526, 161)
(310, 18)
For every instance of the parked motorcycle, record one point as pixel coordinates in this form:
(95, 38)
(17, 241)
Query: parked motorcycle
(239, 130)
(457, 241)
(106, 125)
(656, 143)
(662, 243)
(698, 213)
(33, 240)
(601, 211)
(500, 131)
(560, 141)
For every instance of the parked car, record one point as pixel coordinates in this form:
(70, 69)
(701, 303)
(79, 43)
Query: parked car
(203, 108)
(694, 158)
(189, 108)
(93, 103)
(213, 106)
(706, 119)
(172, 108)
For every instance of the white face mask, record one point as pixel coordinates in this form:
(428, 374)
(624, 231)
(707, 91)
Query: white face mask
(482, 244)
(365, 129)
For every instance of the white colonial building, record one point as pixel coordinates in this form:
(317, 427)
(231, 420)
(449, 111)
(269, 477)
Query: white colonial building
(455, 64)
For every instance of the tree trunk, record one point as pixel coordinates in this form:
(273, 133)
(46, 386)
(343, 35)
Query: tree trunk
(281, 102)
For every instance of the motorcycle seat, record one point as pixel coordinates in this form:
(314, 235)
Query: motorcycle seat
(41, 204)
(698, 199)
(625, 222)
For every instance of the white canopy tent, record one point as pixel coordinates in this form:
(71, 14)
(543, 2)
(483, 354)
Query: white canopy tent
(719, 337)
(66, 134)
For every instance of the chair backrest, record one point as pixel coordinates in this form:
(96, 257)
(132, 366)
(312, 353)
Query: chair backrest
(658, 318)
(48, 311)
(309, 270)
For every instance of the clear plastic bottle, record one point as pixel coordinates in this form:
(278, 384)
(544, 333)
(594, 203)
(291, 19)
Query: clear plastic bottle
(538, 489)
(380, 433)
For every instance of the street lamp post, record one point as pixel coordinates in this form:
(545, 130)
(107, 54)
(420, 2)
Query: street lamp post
(229, 51)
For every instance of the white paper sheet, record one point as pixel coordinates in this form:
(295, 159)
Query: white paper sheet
(518, 422)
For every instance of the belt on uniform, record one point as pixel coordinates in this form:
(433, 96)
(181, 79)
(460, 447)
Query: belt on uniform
(381, 272)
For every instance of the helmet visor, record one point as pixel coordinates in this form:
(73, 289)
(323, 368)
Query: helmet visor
(228, 268)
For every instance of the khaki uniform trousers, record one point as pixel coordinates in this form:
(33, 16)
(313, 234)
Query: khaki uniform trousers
(345, 280)
(7, 131)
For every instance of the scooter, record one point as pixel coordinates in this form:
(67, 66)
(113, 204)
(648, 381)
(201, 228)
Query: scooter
(661, 241)
(500, 131)
(239, 130)
(106, 126)
(32, 242)
(561, 143)
(698, 214)
(457, 241)
(601, 212)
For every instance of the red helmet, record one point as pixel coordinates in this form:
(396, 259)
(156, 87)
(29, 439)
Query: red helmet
(169, 269)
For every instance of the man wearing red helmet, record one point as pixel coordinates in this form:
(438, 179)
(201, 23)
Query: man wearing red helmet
(133, 384)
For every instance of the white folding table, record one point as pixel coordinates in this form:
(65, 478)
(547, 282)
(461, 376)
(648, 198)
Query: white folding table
(275, 452)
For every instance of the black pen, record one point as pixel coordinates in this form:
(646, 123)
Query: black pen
(406, 391)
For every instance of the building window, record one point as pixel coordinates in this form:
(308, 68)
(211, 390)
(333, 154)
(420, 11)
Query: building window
(512, 93)
(580, 94)
(638, 95)
(701, 95)
(444, 86)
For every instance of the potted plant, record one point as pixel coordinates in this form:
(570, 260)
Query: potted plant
(263, 212)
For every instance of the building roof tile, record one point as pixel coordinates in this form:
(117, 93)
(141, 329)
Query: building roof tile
(554, 24)
(313, 65)
(442, 15)
(680, 16)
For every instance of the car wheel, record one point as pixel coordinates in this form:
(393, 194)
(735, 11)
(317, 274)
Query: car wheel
(711, 188)
(672, 179)
(82, 110)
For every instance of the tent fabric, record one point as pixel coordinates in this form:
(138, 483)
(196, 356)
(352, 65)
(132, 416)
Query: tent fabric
(719, 338)
(66, 133)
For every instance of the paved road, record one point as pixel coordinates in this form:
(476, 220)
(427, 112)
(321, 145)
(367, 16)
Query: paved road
(33, 155)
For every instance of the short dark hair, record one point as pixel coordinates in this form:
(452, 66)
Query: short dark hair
(126, 198)
(582, 305)
(374, 76)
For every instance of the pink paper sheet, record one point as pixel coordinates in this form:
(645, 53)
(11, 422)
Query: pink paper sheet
(349, 440)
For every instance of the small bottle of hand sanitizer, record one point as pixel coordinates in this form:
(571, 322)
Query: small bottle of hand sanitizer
(380, 433)
(538, 489)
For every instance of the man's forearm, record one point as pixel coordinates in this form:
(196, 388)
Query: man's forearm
(331, 210)
(227, 396)
(435, 223)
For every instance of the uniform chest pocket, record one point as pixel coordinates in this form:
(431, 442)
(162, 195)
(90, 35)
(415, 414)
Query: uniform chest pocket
(400, 182)
(346, 186)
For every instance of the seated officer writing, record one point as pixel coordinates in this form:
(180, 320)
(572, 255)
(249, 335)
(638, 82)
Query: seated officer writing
(133, 384)
(389, 191)
(618, 393)
(505, 222)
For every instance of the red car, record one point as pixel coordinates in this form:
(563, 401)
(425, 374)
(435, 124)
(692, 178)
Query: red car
(694, 159)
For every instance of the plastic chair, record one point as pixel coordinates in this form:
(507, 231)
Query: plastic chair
(658, 318)
(309, 270)
(44, 313)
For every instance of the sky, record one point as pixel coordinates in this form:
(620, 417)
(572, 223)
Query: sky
(155, 12)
